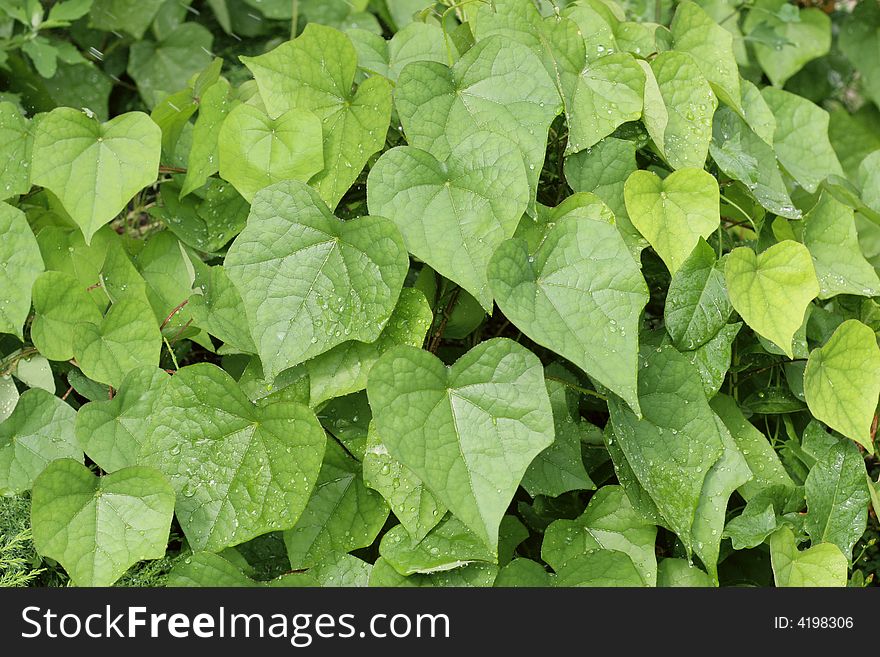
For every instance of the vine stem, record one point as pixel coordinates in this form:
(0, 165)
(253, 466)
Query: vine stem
(444, 320)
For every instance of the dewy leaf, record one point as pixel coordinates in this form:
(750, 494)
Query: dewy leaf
(579, 293)
(111, 431)
(796, 41)
(474, 575)
(801, 138)
(830, 235)
(215, 104)
(39, 430)
(412, 503)
(678, 572)
(771, 290)
(127, 337)
(712, 359)
(219, 309)
(20, 265)
(315, 72)
(238, 470)
(675, 212)
(341, 515)
(60, 303)
(498, 85)
(468, 432)
(679, 105)
(837, 498)
(97, 527)
(676, 442)
(204, 569)
(341, 569)
(15, 152)
(309, 280)
(95, 168)
(821, 565)
(711, 46)
(842, 381)
(453, 213)
(609, 523)
(344, 369)
(8, 397)
(599, 568)
(697, 306)
(255, 150)
(35, 372)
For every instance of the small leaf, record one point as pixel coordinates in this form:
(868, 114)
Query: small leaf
(21, 265)
(821, 565)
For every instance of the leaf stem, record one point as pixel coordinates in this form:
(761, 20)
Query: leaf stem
(580, 389)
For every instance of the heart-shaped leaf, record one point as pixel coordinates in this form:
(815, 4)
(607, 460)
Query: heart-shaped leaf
(60, 303)
(821, 565)
(97, 527)
(95, 168)
(39, 430)
(17, 142)
(22, 264)
(239, 471)
(255, 150)
(453, 214)
(579, 293)
(310, 281)
(675, 212)
(771, 290)
(842, 381)
(468, 432)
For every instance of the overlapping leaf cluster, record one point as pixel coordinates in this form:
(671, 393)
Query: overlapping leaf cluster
(503, 293)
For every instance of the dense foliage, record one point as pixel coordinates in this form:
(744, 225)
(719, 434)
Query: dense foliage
(393, 292)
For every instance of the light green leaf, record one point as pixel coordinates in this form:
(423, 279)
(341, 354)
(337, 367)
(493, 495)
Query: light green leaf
(310, 281)
(672, 448)
(111, 431)
(8, 397)
(860, 41)
(341, 515)
(578, 293)
(343, 570)
(771, 290)
(821, 565)
(17, 141)
(675, 212)
(60, 303)
(454, 213)
(830, 235)
(523, 573)
(468, 432)
(610, 523)
(35, 372)
(801, 138)
(447, 546)
(599, 568)
(97, 527)
(842, 381)
(204, 569)
(678, 572)
(39, 430)
(711, 46)
(132, 16)
(712, 359)
(417, 42)
(238, 470)
(95, 168)
(679, 105)
(413, 504)
(217, 307)
(21, 265)
(475, 575)
(255, 150)
(315, 72)
(127, 337)
(215, 104)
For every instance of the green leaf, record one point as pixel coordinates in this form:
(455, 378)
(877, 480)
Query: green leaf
(468, 432)
(599, 568)
(712, 359)
(475, 575)
(672, 448)
(797, 41)
(821, 565)
(608, 523)
(127, 337)
(837, 498)
(678, 572)
(417, 42)
(763, 515)
(410, 501)
(859, 40)
(523, 573)
(97, 527)
(132, 16)
(208, 219)
(21, 265)
(218, 308)
(315, 72)
(842, 381)
(204, 569)
(498, 86)
(578, 293)
(341, 515)
(679, 105)
(675, 212)
(95, 168)
(8, 397)
(38, 431)
(35, 372)
(112, 431)
(215, 104)
(343, 570)
(310, 281)
(697, 306)
(238, 470)
(830, 235)
(453, 213)
(16, 137)
(711, 46)
(255, 150)
(801, 138)
(771, 290)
